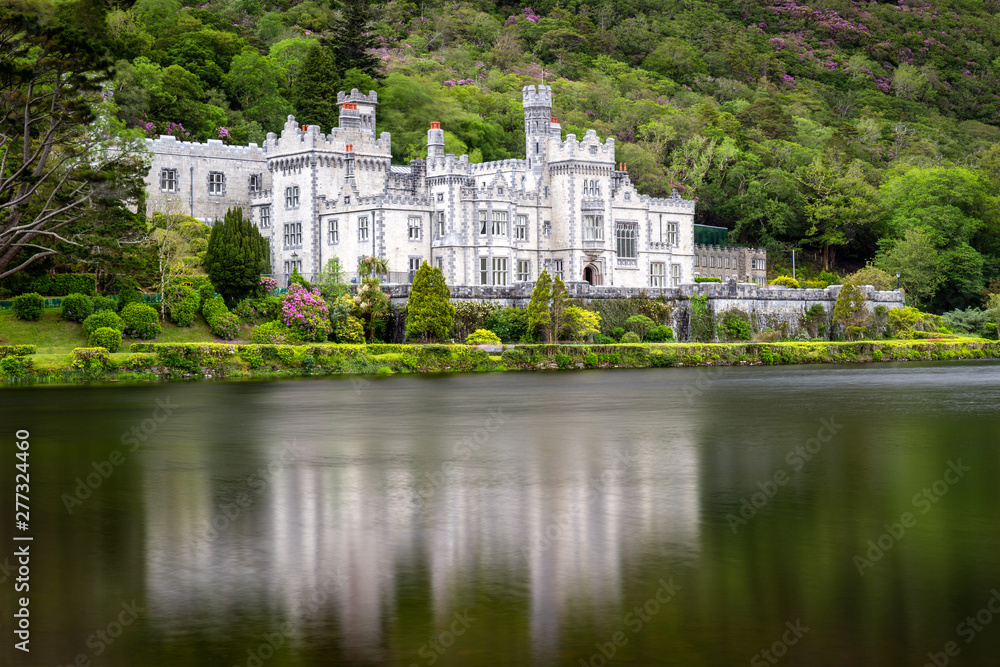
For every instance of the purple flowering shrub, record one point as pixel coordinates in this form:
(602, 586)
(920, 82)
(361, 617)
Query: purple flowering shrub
(306, 313)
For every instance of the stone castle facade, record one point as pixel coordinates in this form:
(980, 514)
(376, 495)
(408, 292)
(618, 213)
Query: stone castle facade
(567, 207)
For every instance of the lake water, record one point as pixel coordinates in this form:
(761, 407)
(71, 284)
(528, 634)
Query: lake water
(821, 515)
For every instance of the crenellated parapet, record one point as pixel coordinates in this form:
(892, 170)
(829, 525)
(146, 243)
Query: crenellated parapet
(307, 138)
(213, 148)
(672, 203)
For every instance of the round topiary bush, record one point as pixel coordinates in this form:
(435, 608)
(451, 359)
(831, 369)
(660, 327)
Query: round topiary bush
(77, 307)
(103, 318)
(640, 324)
(225, 325)
(29, 306)
(107, 337)
(786, 281)
(630, 337)
(660, 334)
(104, 303)
(141, 321)
(128, 295)
(482, 337)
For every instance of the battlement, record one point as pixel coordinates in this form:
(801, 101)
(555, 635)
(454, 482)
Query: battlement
(536, 97)
(356, 97)
(674, 202)
(295, 139)
(213, 148)
(589, 148)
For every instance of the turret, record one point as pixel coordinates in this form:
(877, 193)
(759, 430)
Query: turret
(537, 121)
(357, 110)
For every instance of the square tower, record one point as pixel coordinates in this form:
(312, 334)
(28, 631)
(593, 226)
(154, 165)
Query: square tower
(357, 110)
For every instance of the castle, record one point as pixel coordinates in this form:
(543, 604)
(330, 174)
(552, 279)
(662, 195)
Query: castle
(567, 207)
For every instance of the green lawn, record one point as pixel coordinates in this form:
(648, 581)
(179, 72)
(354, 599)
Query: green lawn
(53, 335)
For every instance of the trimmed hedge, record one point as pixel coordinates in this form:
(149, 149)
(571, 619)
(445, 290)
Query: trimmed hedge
(17, 350)
(65, 283)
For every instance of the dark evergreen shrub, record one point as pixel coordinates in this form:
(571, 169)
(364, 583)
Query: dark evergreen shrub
(104, 303)
(141, 321)
(659, 334)
(29, 307)
(107, 337)
(103, 318)
(77, 307)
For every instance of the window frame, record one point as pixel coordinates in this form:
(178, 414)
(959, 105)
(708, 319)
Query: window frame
(627, 239)
(292, 197)
(657, 274)
(593, 227)
(363, 231)
(169, 180)
(216, 184)
(523, 270)
(333, 231)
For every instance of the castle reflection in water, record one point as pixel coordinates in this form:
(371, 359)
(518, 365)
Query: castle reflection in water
(326, 518)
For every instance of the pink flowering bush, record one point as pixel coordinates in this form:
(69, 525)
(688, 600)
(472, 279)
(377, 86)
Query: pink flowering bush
(267, 285)
(306, 313)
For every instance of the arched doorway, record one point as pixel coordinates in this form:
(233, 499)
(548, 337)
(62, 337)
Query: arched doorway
(592, 275)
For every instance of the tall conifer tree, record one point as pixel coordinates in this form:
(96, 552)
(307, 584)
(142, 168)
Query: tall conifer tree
(237, 254)
(429, 313)
(315, 91)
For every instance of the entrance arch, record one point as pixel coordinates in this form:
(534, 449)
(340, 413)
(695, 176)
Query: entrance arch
(592, 274)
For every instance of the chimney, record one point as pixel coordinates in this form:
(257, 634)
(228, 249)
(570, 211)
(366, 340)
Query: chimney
(435, 141)
(349, 163)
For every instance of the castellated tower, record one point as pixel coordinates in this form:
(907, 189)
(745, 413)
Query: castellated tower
(537, 122)
(357, 110)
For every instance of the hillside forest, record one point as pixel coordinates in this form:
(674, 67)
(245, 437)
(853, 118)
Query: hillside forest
(853, 132)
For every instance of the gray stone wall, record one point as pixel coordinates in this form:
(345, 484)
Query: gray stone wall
(779, 309)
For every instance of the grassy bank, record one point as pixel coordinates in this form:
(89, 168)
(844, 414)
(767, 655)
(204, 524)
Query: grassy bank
(175, 361)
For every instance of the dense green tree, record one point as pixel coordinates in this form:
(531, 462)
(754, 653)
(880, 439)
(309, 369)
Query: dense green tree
(315, 89)
(353, 38)
(918, 264)
(851, 310)
(58, 159)
(236, 257)
(429, 313)
(254, 80)
(558, 318)
(539, 313)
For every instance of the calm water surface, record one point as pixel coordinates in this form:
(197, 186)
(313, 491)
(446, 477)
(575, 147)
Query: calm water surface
(829, 515)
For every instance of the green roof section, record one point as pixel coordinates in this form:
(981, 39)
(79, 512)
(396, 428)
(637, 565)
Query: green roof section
(709, 235)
